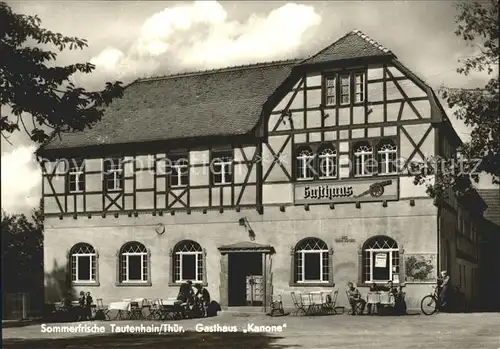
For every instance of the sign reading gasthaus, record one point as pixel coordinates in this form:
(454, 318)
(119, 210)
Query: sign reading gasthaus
(346, 191)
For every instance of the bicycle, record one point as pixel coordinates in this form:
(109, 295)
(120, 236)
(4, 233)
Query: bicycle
(431, 303)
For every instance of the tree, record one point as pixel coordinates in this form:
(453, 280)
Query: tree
(22, 252)
(33, 86)
(477, 25)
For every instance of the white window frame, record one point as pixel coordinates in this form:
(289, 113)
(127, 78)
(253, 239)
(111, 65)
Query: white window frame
(359, 88)
(331, 84)
(348, 76)
(174, 164)
(125, 265)
(303, 266)
(385, 151)
(364, 156)
(390, 251)
(198, 257)
(222, 161)
(116, 170)
(75, 172)
(303, 158)
(328, 155)
(74, 266)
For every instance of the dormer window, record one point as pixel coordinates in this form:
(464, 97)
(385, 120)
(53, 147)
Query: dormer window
(344, 88)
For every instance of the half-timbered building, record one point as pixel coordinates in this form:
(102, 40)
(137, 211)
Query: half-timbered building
(259, 180)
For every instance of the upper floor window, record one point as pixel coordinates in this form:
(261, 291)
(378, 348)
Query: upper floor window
(178, 170)
(387, 157)
(363, 159)
(221, 167)
(305, 164)
(113, 174)
(327, 162)
(359, 87)
(345, 89)
(330, 90)
(76, 176)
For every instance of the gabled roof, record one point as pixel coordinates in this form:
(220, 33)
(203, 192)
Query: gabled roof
(354, 44)
(219, 102)
(492, 199)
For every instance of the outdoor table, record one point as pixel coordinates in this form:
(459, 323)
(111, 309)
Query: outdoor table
(123, 308)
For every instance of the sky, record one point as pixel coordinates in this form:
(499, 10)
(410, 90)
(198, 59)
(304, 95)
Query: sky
(128, 39)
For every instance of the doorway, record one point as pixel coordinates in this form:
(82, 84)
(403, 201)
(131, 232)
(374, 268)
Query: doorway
(245, 279)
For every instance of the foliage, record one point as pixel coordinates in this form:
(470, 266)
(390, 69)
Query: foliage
(32, 84)
(418, 269)
(477, 25)
(22, 252)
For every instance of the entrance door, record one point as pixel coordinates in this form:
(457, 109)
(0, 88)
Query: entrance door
(245, 279)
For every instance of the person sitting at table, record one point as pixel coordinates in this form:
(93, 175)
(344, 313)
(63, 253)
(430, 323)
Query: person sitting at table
(202, 295)
(82, 315)
(369, 307)
(186, 294)
(355, 299)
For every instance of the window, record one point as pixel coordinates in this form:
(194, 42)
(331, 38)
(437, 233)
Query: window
(83, 263)
(380, 260)
(345, 95)
(76, 176)
(387, 157)
(178, 171)
(359, 87)
(363, 159)
(133, 262)
(222, 167)
(113, 174)
(188, 262)
(327, 163)
(305, 164)
(311, 261)
(330, 91)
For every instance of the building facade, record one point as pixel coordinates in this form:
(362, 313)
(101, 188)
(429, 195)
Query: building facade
(259, 180)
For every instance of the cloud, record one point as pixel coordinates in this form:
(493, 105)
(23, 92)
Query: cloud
(201, 36)
(21, 180)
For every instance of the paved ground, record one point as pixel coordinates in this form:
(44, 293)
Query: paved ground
(441, 331)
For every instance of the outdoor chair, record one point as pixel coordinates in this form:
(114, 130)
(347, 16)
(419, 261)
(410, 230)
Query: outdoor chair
(331, 305)
(135, 312)
(277, 306)
(358, 307)
(297, 302)
(154, 310)
(101, 308)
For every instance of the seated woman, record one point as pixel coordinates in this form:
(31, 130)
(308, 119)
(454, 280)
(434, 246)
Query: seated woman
(186, 293)
(203, 296)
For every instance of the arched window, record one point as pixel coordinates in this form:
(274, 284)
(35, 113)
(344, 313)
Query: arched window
(305, 164)
(387, 155)
(327, 162)
(188, 261)
(363, 159)
(133, 262)
(311, 261)
(83, 263)
(380, 260)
